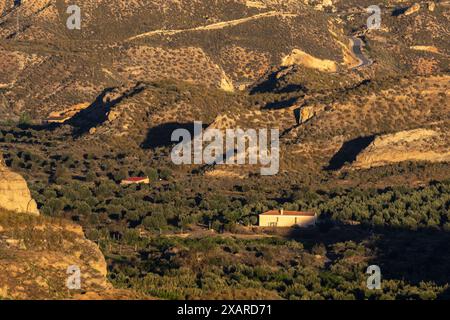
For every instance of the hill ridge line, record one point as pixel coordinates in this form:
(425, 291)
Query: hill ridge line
(214, 26)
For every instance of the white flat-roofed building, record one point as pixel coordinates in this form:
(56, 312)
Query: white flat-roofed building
(282, 218)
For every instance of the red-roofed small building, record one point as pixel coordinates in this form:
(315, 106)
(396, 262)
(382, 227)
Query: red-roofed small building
(282, 218)
(135, 180)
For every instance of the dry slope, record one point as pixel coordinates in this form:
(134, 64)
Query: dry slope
(36, 251)
(412, 145)
(14, 193)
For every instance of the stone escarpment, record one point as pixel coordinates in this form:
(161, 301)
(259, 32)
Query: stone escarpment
(2, 6)
(38, 256)
(36, 252)
(412, 145)
(413, 9)
(14, 193)
(298, 57)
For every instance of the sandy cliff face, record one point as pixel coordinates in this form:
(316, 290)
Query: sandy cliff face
(302, 58)
(2, 6)
(35, 254)
(412, 145)
(36, 251)
(413, 9)
(14, 193)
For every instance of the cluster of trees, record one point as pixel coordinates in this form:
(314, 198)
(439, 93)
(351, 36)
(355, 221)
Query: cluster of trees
(398, 207)
(227, 268)
(174, 205)
(85, 186)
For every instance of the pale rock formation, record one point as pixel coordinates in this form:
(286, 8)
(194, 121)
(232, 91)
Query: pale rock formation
(113, 115)
(411, 145)
(306, 113)
(64, 115)
(432, 49)
(226, 83)
(324, 4)
(413, 9)
(40, 252)
(2, 6)
(299, 57)
(14, 193)
(255, 4)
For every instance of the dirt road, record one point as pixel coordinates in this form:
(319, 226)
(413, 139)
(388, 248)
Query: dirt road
(356, 45)
(214, 26)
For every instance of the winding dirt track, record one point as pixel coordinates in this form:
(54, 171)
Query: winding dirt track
(214, 26)
(357, 44)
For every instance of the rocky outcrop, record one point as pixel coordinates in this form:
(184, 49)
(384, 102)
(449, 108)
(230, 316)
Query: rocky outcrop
(306, 113)
(256, 4)
(5, 6)
(2, 6)
(41, 252)
(299, 57)
(432, 49)
(413, 9)
(64, 115)
(323, 4)
(412, 145)
(14, 193)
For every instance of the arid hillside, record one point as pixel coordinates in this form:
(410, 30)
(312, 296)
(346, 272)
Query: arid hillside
(86, 123)
(225, 44)
(36, 252)
(339, 127)
(312, 69)
(231, 45)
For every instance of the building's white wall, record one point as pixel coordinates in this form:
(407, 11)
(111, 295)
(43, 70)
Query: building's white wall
(145, 181)
(286, 220)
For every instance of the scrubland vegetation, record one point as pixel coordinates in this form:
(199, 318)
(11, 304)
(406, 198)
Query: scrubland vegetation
(192, 237)
(188, 235)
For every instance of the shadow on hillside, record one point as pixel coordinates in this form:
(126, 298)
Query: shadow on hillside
(39, 127)
(399, 11)
(97, 112)
(348, 152)
(270, 84)
(445, 295)
(403, 254)
(161, 135)
(362, 84)
(93, 115)
(276, 105)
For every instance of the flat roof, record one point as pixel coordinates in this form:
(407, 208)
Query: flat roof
(135, 179)
(288, 213)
